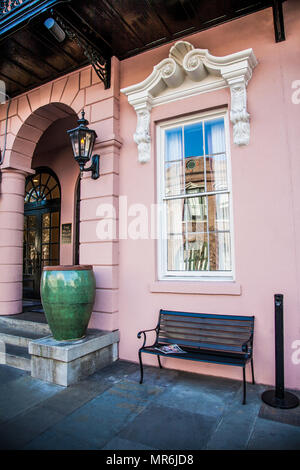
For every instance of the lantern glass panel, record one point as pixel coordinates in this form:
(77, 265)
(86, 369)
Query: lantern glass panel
(74, 141)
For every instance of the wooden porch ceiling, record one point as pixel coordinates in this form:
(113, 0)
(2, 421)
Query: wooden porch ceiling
(31, 56)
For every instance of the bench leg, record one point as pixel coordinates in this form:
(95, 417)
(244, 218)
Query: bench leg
(252, 369)
(244, 386)
(141, 367)
(158, 357)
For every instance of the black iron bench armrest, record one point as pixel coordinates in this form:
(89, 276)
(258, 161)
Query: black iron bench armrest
(248, 345)
(143, 332)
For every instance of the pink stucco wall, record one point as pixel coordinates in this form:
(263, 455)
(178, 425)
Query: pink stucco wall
(266, 199)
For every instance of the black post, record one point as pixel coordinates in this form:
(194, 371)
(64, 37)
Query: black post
(279, 347)
(279, 398)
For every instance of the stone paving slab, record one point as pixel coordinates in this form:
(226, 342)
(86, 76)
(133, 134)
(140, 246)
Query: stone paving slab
(118, 443)
(21, 394)
(162, 427)
(269, 435)
(236, 424)
(8, 374)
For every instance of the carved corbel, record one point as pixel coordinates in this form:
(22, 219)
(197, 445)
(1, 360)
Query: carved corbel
(239, 116)
(142, 134)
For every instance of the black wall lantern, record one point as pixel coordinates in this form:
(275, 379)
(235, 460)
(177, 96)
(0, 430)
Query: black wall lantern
(82, 140)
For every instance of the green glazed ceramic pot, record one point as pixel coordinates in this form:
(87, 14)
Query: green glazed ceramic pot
(68, 294)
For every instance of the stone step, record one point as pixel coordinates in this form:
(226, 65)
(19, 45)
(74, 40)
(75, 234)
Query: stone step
(18, 337)
(18, 357)
(29, 322)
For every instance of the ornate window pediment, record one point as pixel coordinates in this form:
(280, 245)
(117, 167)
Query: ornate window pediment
(187, 72)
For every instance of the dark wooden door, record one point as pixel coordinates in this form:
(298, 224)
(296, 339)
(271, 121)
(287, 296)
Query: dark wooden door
(41, 230)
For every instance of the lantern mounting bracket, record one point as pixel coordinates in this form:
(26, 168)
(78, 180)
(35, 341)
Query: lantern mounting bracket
(100, 64)
(94, 168)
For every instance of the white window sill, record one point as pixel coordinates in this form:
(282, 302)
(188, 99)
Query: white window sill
(191, 287)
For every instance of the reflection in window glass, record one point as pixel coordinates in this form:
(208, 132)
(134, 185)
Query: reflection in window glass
(214, 136)
(193, 140)
(173, 150)
(46, 220)
(194, 175)
(174, 179)
(216, 172)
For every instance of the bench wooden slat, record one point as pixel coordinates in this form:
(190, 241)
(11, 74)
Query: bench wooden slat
(197, 340)
(212, 321)
(205, 345)
(205, 326)
(219, 337)
(206, 315)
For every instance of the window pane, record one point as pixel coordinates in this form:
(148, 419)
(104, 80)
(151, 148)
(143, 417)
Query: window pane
(196, 214)
(55, 219)
(193, 140)
(218, 212)
(31, 237)
(214, 136)
(45, 235)
(31, 221)
(176, 253)
(46, 220)
(174, 179)
(45, 251)
(54, 235)
(194, 175)
(55, 193)
(219, 251)
(173, 145)
(216, 173)
(54, 251)
(175, 216)
(45, 177)
(196, 252)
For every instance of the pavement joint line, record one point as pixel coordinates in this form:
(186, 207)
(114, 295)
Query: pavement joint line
(251, 432)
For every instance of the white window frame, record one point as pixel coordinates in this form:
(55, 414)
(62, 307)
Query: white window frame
(162, 253)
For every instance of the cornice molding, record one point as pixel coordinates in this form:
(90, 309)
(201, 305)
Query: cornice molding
(191, 66)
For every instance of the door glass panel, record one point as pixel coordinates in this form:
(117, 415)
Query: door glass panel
(31, 221)
(45, 251)
(55, 219)
(46, 235)
(55, 193)
(54, 235)
(46, 220)
(55, 251)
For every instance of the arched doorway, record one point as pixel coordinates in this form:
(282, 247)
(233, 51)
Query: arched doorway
(41, 228)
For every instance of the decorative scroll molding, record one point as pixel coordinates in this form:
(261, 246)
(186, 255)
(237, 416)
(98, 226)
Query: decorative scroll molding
(187, 72)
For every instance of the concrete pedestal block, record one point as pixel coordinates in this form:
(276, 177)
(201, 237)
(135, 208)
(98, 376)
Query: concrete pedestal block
(68, 362)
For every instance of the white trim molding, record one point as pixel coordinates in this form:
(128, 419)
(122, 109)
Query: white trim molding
(187, 72)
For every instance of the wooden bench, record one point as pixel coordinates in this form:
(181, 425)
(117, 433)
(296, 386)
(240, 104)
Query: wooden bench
(221, 339)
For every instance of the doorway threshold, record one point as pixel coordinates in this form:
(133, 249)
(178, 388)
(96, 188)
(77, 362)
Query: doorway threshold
(32, 305)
